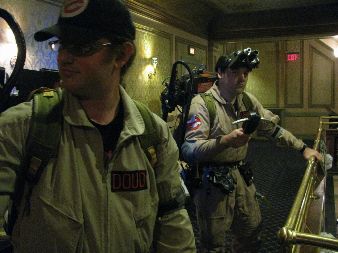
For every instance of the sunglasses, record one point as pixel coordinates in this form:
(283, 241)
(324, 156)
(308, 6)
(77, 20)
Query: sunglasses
(80, 49)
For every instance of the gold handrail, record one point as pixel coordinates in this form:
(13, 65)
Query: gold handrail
(292, 235)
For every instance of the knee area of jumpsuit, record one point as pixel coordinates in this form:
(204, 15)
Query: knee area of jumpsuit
(248, 230)
(247, 244)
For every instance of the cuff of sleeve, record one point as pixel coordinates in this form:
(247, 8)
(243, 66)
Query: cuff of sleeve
(303, 148)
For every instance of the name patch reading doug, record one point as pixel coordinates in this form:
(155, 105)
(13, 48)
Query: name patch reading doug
(135, 180)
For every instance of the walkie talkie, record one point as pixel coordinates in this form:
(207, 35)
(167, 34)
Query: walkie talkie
(250, 123)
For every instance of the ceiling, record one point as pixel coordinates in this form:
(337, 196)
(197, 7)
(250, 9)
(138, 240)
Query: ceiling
(236, 6)
(240, 19)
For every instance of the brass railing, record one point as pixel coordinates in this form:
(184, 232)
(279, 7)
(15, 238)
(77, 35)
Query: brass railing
(301, 232)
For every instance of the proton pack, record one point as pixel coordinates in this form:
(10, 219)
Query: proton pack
(179, 92)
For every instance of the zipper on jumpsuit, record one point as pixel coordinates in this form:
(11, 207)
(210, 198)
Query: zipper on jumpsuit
(108, 165)
(106, 234)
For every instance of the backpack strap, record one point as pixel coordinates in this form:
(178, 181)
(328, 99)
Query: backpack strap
(211, 107)
(247, 102)
(41, 145)
(149, 139)
(44, 133)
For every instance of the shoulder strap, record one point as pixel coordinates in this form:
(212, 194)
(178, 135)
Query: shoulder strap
(149, 139)
(211, 107)
(44, 133)
(41, 145)
(247, 102)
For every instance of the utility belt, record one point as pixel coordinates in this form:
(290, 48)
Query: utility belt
(220, 176)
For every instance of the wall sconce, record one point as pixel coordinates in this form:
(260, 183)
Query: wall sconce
(153, 66)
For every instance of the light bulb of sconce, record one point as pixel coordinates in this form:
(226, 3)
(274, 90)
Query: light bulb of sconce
(154, 62)
(150, 71)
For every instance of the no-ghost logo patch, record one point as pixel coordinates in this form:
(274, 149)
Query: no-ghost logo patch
(194, 123)
(72, 8)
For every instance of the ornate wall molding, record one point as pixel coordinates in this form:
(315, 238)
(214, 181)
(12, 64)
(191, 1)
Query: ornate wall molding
(293, 74)
(312, 20)
(163, 17)
(322, 67)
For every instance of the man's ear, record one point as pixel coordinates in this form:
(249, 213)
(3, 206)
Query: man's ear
(220, 73)
(127, 51)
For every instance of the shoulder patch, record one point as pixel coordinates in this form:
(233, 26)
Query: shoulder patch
(194, 123)
(72, 8)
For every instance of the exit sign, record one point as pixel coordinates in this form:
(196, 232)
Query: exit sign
(292, 56)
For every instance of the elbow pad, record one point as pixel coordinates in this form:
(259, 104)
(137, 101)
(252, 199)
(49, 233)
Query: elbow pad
(174, 204)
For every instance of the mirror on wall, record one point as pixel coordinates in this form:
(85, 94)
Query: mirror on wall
(16, 83)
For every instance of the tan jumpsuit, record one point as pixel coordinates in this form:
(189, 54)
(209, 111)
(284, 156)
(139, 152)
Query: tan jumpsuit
(239, 210)
(84, 203)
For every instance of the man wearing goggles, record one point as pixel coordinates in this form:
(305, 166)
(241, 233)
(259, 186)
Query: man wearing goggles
(226, 198)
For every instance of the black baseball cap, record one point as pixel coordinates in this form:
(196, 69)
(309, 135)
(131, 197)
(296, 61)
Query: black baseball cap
(91, 18)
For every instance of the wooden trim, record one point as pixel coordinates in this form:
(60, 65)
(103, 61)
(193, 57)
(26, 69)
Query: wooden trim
(311, 50)
(301, 78)
(278, 83)
(153, 30)
(163, 17)
(289, 114)
(315, 20)
(302, 50)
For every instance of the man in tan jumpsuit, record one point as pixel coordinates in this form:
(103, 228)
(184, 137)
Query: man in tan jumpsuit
(220, 147)
(100, 194)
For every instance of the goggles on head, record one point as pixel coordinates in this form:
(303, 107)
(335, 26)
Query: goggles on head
(242, 58)
(246, 58)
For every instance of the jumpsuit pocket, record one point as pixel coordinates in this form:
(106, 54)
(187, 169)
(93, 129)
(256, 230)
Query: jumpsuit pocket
(144, 233)
(139, 216)
(49, 227)
(247, 215)
(145, 222)
(247, 202)
(62, 225)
